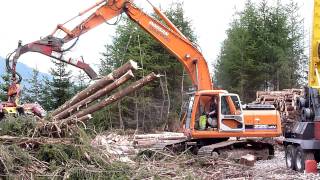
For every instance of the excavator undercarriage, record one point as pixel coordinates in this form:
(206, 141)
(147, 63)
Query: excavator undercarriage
(232, 148)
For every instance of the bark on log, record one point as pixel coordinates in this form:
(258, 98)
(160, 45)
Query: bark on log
(102, 92)
(115, 97)
(130, 65)
(165, 136)
(71, 121)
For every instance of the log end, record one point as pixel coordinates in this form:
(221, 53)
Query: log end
(130, 73)
(134, 64)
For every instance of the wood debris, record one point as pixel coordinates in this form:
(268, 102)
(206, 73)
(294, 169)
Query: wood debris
(248, 160)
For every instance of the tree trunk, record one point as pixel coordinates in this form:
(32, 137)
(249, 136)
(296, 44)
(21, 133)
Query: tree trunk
(117, 96)
(136, 111)
(144, 115)
(168, 97)
(163, 100)
(130, 65)
(278, 81)
(120, 115)
(95, 96)
(182, 91)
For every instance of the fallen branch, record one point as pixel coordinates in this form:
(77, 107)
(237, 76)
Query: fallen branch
(7, 140)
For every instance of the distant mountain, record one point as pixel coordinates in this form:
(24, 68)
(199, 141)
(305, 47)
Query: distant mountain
(24, 70)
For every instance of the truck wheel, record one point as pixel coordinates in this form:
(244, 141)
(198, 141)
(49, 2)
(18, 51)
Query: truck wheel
(289, 153)
(300, 157)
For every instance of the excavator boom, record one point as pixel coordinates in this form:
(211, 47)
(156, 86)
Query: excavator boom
(169, 36)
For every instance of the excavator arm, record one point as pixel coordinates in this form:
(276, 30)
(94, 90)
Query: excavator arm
(168, 35)
(191, 58)
(49, 46)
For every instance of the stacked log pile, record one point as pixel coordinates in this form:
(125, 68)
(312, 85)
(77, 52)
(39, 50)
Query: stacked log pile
(285, 102)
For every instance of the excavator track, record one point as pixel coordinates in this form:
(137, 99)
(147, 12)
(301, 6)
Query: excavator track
(234, 149)
(178, 143)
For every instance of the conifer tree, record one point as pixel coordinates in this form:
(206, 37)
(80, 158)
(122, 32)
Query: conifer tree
(33, 93)
(131, 42)
(4, 84)
(61, 85)
(263, 50)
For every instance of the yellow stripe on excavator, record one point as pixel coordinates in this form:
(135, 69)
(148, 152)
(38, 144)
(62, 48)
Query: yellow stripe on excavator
(314, 64)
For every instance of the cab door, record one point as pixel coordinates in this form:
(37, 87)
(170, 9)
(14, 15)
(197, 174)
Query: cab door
(230, 113)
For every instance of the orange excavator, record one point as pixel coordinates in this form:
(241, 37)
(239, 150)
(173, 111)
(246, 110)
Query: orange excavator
(230, 118)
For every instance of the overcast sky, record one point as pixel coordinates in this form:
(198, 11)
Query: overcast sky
(28, 20)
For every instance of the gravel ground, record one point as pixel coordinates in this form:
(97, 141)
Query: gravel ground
(276, 169)
(162, 165)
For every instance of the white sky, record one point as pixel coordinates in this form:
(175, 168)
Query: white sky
(28, 20)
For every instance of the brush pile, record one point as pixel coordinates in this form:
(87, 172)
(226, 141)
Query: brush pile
(82, 154)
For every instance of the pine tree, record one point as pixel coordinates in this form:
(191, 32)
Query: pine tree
(263, 50)
(4, 84)
(131, 42)
(80, 82)
(33, 94)
(46, 98)
(61, 85)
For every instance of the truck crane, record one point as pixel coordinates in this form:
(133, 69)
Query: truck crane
(302, 144)
(231, 119)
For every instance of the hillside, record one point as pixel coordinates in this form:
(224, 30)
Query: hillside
(24, 70)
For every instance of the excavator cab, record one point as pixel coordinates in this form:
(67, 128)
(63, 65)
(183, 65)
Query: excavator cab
(214, 111)
(231, 115)
(218, 112)
(227, 118)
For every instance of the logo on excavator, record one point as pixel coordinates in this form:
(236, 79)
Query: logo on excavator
(158, 29)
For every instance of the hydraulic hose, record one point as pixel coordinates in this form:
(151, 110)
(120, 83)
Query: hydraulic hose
(10, 69)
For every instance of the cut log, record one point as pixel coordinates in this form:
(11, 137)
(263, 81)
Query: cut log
(162, 136)
(248, 160)
(71, 121)
(130, 65)
(115, 97)
(102, 92)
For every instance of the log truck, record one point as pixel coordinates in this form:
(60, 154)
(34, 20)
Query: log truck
(302, 144)
(232, 119)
